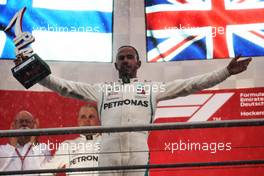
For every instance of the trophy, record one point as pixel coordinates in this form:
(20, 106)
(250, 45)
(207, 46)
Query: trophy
(30, 68)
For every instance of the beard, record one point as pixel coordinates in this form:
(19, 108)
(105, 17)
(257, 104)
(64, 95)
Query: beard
(125, 70)
(126, 73)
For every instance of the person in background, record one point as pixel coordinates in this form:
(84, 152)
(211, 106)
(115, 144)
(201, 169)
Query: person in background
(82, 151)
(23, 152)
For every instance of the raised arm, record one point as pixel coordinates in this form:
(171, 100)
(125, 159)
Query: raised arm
(72, 89)
(183, 87)
(237, 66)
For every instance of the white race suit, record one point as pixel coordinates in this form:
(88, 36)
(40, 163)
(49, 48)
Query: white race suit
(80, 152)
(130, 104)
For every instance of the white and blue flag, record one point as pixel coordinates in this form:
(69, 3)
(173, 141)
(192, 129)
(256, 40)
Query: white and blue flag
(64, 30)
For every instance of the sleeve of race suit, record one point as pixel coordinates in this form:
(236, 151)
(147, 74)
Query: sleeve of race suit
(184, 87)
(72, 89)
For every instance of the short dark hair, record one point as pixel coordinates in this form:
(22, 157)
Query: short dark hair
(130, 47)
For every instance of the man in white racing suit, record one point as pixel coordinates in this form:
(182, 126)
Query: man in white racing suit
(131, 101)
(82, 151)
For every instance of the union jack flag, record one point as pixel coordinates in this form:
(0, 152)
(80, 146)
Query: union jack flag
(204, 29)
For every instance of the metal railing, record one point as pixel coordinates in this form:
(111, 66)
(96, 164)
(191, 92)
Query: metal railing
(150, 127)
(129, 128)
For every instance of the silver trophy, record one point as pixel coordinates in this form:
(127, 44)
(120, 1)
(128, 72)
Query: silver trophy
(30, 68)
